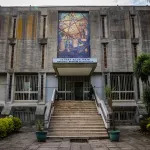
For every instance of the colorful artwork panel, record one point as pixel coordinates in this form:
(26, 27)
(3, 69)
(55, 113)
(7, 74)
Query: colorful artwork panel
(73, 35)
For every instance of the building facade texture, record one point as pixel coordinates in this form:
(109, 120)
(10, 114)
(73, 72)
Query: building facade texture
(31, 37)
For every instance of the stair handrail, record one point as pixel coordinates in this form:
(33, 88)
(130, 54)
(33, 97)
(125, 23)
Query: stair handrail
(102, 108)
(49, 109)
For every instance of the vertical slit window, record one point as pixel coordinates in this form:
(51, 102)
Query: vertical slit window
(12, 56)
(105, 55)
(43, 55)
(44, 26)
(138, 89)
(106, 81)
(104, 26)
(42, 79)
(14, 27)
(135, 50)
(133, 25)
(10, 87)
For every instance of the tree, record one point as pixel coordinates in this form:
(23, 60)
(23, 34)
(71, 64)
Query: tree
(142, 67)
(142, 71)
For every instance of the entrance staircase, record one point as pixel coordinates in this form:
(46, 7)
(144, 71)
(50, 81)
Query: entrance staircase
(76, 119)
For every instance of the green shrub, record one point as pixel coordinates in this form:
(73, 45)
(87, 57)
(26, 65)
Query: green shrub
(144, 123)
(17, 123)
(3, 129)
(9, 125)
(148, 127)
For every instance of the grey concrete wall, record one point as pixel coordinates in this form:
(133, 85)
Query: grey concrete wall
(51, 84)
(144, 19)
(29, 28)
(97, 83)
(3, 82)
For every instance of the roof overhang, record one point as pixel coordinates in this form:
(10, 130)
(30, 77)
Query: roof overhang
(74, 66)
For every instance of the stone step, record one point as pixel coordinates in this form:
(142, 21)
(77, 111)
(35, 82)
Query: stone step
(67, 123)
(95, 112)
(57, 123)
(76, 119)
(75, 113)
(86, 111)
(78, 116)
(78, 136)
(77, 130)
(74, 101)
(92, 105)
(75, 127)
(74, 108)
(97, 134)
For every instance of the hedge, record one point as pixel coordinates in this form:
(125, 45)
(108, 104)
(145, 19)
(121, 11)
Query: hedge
(8, 125)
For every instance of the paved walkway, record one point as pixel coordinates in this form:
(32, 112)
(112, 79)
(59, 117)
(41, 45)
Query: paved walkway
(130, 139)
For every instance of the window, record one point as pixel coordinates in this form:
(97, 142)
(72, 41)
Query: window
(104, 25)
(26, 87)
(105, 54)
(14, 27)
(10, 87)
(133, 25)
(122, 86)
(44, 26)
(106, 79)
(42, 79)
(43, 56)
(124, 116)
(135, 50)
(12, 56)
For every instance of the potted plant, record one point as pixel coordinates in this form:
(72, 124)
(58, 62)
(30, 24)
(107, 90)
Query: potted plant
(40, 133)
(114, 133)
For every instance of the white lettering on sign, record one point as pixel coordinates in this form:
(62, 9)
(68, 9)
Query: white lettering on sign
(74, 60)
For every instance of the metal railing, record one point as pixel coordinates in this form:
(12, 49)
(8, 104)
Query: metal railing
(25, 116)
(103, 110)
(49, 109)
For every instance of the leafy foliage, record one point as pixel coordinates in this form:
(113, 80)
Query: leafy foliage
(142, 67)
(17, 123)
(39, 125)
(9, 125)
(146, 98)
(148, 127)
(144, 123)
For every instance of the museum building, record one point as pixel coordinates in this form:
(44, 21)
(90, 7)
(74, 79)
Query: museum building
(69, 50)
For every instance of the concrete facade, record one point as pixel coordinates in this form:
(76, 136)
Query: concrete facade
(27, 39)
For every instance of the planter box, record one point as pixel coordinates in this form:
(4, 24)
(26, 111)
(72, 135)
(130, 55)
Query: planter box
(114, 135)
(41, 136)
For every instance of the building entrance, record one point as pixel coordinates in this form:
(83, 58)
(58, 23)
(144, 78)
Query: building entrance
(79, 90)
(73, 87)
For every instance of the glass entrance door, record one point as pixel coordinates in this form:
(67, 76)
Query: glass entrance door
(78, 90)
(73, 87)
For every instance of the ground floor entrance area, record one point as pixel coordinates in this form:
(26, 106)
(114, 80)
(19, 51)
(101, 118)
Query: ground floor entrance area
(73, 87)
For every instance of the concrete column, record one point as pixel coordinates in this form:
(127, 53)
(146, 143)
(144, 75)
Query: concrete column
(10, 100)
(7, 88)
(13, 88)
(44, 88)
(135, 89)
(39, 87)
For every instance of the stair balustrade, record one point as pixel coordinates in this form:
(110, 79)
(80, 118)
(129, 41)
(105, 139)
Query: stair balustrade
(49, 109)
(103, 110)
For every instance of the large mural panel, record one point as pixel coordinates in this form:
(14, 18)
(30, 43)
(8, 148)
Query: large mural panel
(73, 35)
